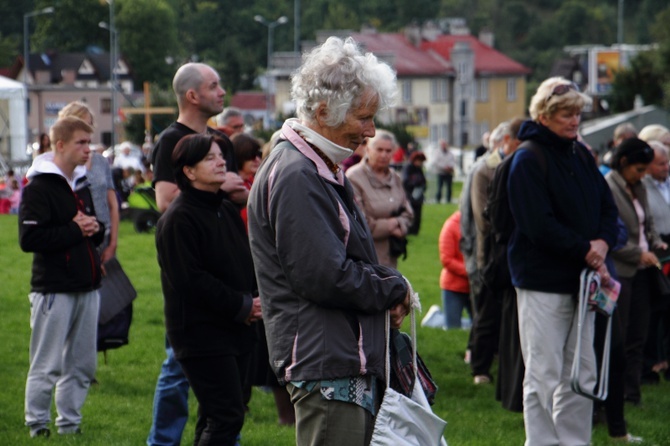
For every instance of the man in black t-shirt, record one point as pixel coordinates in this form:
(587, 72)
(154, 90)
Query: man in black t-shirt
(199, 96)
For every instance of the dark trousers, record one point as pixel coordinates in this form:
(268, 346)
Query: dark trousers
(444, 179)
(509, 389)
(217, 384)
(417, 205)
(634, 307)
(485, 330)
(614, 404)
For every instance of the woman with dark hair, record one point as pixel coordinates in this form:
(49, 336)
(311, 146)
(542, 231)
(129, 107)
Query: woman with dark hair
(414, 182)
(248, 156)
(209, 287)
(635, 260)
(45, 144)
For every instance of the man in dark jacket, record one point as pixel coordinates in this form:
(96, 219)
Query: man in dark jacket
(57, 223)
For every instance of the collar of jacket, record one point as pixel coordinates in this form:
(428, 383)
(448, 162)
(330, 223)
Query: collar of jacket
(300, 143)
(334, 152)
(204, 198)
(545, 137)
(493, 159)
(375, 181)
(621, 183)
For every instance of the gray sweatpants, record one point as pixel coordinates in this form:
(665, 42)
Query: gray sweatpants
(62, 354)
(548, 328)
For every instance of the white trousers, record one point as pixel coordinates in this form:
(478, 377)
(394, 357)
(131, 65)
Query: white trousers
(62, 355)
(553, 414)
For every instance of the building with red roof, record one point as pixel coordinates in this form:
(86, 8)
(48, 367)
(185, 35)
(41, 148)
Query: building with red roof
(495, 91)
(452, 86)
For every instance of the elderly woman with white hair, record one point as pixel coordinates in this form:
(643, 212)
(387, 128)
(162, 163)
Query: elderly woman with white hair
(381, 196)
(565, 221)
(323, 292)
(655, 132)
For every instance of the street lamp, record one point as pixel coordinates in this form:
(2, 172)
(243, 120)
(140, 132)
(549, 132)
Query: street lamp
(26, 57)
(113, 51)
(271, 26)
(619, 30)
(113, 56)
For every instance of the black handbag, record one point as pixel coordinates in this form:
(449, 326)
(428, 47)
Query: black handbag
(116, 291)
(398, 247)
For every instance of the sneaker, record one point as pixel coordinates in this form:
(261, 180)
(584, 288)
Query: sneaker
(41, 432)
(628, 438)
(482, 379)
(433, 318)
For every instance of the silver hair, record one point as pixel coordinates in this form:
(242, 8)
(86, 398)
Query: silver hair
(382, 134)
(658, 146)
(188, 77)
(338, 73)
(226, 114)
(499, 133)
(624, 130)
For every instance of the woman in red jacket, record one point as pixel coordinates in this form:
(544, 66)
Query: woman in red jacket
(453, 278)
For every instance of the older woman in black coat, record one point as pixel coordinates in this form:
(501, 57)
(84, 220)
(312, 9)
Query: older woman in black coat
(209, 287)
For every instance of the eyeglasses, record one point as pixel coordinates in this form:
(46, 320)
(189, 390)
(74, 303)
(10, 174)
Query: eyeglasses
(561, 89)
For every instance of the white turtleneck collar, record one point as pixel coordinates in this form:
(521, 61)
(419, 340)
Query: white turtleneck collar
(335, 153)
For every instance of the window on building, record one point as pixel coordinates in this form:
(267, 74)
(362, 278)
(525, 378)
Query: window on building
(407, 92)
(444, 132)
(438, 132)
(483, 90)
(106, 138)
(439, 90)
(511, 89)
(105, 106)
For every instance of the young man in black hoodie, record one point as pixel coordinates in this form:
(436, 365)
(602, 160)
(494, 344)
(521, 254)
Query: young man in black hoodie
(57, 224)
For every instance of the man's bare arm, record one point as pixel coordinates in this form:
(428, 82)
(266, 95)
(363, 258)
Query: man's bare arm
(166, 192)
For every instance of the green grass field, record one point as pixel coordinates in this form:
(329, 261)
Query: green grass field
(118, 409)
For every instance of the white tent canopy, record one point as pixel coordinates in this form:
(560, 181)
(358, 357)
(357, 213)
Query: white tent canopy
(13, 118)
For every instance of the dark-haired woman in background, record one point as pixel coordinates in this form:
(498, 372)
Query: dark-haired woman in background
(208, 283)
(635, 261)
(248, 156)
(414, 182)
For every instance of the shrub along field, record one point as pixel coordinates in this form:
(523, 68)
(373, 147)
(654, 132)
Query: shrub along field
(118, 408)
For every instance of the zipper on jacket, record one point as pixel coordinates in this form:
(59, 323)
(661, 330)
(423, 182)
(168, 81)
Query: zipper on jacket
(80, 207)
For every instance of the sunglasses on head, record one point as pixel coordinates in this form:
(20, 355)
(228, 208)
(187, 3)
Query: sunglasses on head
(561, 89)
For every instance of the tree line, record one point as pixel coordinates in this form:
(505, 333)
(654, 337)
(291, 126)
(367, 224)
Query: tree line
(156, 36)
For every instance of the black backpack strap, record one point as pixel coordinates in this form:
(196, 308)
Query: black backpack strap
(536, 148)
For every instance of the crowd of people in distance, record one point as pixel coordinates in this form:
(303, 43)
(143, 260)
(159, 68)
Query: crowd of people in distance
(279, 260)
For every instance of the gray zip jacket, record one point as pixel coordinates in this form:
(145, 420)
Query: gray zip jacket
(323, 294)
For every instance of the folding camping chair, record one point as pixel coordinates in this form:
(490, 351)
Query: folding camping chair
(589, 295)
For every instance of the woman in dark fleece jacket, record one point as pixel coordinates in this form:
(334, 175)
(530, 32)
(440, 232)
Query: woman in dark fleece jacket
(565, 221)
(209, 287)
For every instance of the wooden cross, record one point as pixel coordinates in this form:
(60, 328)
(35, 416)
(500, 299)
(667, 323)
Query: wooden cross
(148, 110)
